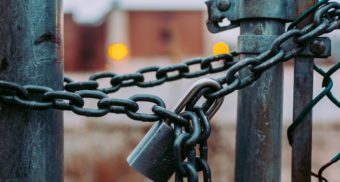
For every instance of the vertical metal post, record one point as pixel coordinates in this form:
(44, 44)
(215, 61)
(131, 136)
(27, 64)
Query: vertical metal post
(303, 94)
(31, 52)
(259, 119)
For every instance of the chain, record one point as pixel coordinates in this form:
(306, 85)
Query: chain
(193, 137)
(326, 19)
(285, 47)
(73, 98)
(162, 74)
(187, 139)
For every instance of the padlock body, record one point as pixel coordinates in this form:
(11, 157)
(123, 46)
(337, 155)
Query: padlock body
(153, 157)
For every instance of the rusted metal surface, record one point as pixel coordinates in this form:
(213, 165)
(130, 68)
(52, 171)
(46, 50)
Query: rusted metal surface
(302, 145)
(31, 141)
(236, 10)
(258, 139)
(303, 94)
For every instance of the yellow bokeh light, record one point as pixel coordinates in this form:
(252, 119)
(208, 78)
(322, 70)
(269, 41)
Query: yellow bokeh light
(221, 48)
(118, 51)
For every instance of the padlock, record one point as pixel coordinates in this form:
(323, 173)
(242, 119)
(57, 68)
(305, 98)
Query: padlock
(155, 162)
(154, 155)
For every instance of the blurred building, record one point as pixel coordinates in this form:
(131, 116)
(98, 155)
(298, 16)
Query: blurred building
(84, 45)
(174, 30)
(158, 29)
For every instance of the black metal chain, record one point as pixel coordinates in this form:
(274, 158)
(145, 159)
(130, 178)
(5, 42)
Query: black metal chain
(187, 139)
(285, 47)
(326, 19)
(161, 74)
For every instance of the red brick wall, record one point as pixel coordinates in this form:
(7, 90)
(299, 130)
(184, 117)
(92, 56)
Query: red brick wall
(84, 46)
(165, 33)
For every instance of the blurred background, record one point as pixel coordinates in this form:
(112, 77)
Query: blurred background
(123, 36)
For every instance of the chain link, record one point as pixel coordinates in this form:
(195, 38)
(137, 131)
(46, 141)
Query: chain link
(161, 74)
(191, 127)
(326, 20)
(189, 138)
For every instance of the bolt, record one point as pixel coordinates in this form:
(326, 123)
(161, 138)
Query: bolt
(317, 47)
(223, 5)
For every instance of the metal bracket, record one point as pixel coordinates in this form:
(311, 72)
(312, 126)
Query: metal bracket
(319, 47)
(236, 10)
(218, 10)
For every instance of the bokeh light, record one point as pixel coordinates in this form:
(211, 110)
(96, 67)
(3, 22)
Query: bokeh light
(118, 51)
(221, 48)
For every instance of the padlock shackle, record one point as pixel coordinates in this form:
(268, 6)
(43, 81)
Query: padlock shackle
(194, 89)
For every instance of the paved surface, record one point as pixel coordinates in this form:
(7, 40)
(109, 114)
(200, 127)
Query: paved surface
(325, 111)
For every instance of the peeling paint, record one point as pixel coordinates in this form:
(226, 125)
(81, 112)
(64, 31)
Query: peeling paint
(47, 37)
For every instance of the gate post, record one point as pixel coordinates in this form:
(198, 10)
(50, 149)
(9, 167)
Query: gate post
(303, 94)
(31, 52)
(259, 118)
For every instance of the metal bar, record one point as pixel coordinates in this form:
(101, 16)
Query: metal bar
(31, 142)
(303, 94)
(258, 140)
(259, 119)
